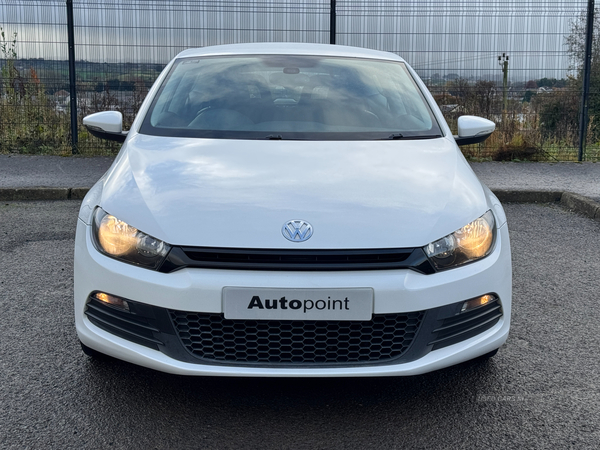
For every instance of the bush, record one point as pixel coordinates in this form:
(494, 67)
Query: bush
(30, 121)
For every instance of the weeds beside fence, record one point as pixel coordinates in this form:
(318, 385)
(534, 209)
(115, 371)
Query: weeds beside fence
(123, 46)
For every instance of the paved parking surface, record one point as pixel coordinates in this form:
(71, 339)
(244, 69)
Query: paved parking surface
(581, 178)
(540, 391)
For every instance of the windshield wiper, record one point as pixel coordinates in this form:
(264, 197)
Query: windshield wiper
(274, 137)
(401, 136)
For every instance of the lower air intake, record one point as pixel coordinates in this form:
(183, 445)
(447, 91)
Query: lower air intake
(213, 338)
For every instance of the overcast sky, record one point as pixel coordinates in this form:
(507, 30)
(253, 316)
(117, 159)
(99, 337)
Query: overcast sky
(451, 36)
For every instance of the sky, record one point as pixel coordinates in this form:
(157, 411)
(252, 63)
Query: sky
(434, 36)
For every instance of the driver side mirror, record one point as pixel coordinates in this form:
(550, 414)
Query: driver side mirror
(106, 125)
(473, 130)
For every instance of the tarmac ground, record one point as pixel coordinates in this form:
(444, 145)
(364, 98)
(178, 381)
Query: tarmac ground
(539, 392)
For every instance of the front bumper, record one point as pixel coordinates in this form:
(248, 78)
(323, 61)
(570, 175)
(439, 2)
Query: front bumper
(200, 290)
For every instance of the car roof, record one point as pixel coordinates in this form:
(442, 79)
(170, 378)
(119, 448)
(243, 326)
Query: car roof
(288, 48)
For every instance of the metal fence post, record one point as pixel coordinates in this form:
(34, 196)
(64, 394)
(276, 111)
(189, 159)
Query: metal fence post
(587, 67)
(72, 79)
(332, 22)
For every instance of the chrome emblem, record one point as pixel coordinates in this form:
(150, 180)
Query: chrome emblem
(297, 230)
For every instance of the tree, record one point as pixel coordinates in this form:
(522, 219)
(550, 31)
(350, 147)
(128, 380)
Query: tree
(10, 78)
(528, 96)
(29, 122)
(575, 42)
(551, 82)
(113, 84)
(478, 99)
(531, 84)
(558, 116)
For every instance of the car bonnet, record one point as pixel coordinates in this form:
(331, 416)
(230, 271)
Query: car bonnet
(240, 193)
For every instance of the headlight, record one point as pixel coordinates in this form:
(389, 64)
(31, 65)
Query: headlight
(467, 244)
(121, 241)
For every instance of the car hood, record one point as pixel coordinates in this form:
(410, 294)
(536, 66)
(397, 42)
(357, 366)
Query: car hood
(240, 193)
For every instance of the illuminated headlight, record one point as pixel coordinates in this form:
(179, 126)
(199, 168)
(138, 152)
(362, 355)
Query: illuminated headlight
(121, 241)
(467, 244)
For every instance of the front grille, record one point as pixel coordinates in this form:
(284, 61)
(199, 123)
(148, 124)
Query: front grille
(213, 338)
(297, 259)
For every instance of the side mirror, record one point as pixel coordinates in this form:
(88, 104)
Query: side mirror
(473, 130)
(106, 125)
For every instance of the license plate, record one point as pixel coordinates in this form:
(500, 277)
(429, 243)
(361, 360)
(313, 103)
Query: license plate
(297, 304)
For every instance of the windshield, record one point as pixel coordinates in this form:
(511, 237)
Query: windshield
(290, 97)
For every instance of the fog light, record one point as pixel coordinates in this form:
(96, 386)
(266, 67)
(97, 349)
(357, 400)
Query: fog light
(477, 302)
(111, 300)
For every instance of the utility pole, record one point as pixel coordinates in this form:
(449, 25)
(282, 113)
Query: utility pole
(503, 62)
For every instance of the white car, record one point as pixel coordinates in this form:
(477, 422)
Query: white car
(291, 210)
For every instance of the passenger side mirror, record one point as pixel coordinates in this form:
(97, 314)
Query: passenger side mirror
(473, 130)
(106, 125)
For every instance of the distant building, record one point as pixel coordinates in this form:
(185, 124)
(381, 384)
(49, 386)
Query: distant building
(62, 96)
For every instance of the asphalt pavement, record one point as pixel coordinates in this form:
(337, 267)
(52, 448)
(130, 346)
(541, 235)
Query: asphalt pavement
(19, 171)
(540, 391)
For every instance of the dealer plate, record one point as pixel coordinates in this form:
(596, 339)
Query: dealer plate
(297, 304)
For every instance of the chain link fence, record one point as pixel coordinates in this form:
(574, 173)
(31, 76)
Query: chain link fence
(516, 62)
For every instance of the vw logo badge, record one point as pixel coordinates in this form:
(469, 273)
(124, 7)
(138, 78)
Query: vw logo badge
(297, 230)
